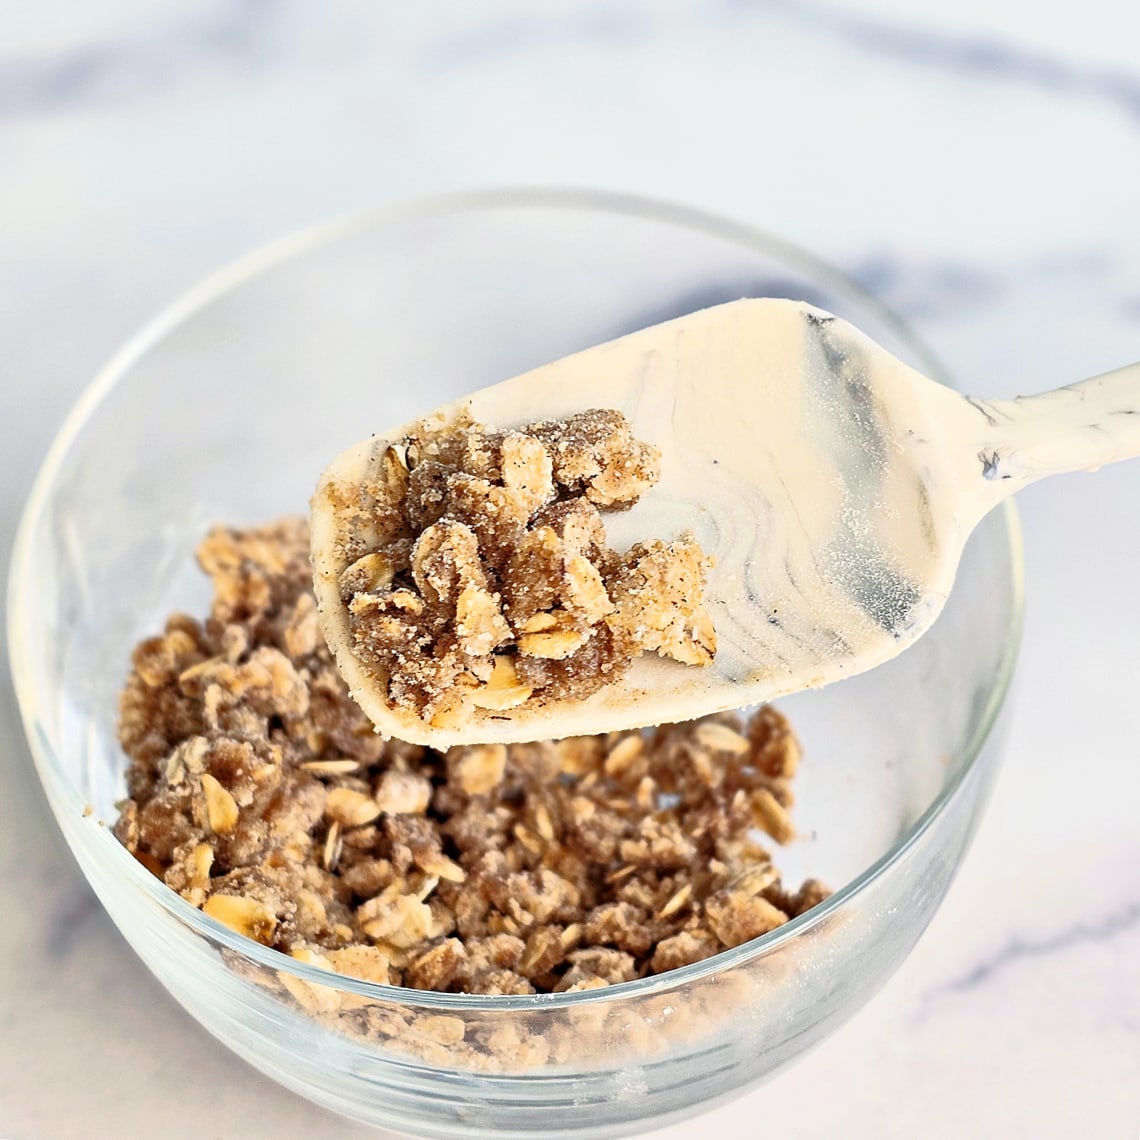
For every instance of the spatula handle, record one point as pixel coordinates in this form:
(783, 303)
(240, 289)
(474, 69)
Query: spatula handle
(1079, 427)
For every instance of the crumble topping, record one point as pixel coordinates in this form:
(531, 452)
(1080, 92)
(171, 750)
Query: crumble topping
(476, 573)
(259, 791)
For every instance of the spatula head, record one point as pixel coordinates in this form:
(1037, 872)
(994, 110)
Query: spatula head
(817, 469)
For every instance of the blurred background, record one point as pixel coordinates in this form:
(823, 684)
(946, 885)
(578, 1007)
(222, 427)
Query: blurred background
(975, 165)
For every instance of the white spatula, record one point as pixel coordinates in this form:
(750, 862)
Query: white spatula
(835, 485)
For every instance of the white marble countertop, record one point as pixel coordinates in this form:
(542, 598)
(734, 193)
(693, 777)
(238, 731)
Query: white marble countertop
(977, 164)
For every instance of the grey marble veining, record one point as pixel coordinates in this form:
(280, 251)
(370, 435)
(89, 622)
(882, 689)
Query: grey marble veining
(975, 58)
(113, 71)
(1113, 927)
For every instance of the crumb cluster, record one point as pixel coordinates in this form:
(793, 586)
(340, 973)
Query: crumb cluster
(259, 791)
(476, 573)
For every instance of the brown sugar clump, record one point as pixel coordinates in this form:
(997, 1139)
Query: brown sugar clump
(477, 574)
(260, 793)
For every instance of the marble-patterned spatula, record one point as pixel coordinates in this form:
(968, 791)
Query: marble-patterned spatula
(835, 485)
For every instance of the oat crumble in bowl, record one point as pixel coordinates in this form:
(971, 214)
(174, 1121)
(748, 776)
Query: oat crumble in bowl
(104, 554)
(259, 791)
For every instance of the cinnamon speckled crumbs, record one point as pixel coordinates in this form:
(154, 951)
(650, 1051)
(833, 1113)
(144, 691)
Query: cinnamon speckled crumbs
(477, 576)
(259, 791)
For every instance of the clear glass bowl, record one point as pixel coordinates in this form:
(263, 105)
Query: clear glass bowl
(227, 407)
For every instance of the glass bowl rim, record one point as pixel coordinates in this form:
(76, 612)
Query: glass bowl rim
(61, 791)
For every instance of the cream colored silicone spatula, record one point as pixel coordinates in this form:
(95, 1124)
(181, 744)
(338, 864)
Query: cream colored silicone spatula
(835, 485)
